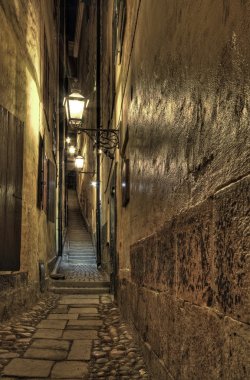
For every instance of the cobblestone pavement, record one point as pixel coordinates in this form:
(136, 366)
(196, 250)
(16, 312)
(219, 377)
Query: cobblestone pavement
(70, 337)
(82, 272)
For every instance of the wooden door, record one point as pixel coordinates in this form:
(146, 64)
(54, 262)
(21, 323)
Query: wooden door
(11, 178)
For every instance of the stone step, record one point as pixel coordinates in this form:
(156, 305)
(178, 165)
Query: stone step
(81, 258)
(82, 247)
(81, 262)
(80, 254)
(69, 290)
(79, 284)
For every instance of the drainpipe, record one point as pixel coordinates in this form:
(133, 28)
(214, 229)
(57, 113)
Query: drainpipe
(98, 126)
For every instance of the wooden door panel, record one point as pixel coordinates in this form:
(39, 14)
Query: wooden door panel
(11, 171)
(3, 186)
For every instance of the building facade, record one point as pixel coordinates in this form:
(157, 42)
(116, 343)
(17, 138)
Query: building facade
(29, 95)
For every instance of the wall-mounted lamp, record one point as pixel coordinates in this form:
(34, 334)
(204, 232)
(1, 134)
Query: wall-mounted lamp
(94, 183)
(79, 162)
(74, 107)
(108, 139)
(72, 149)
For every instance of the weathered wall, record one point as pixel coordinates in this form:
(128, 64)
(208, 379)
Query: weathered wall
(21, 92)
(182, 89)
(188, 114)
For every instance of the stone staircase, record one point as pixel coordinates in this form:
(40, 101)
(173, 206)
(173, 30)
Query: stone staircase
(78, 264)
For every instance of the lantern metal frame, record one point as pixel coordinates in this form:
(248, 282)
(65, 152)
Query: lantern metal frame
(108, 138)
(71, 120)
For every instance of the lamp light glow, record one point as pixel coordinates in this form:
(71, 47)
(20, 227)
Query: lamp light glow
(68, 139)
(72, 149)
(79, 162)
(74, 107)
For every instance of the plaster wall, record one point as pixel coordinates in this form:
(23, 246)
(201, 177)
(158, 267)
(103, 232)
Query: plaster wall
(185, 284)
(21, 84)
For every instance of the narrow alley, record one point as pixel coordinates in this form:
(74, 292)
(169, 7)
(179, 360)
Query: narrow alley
(79, 334)
(124, 189)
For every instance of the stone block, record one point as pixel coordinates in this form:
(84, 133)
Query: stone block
(51, 343)
(156, 365)
(193, 230)
(51, 324)
(48, 333)
(165, 276)
(85, 323)
(69, 370)
(191, 340)
(150, 261)
(137, 263)
(61, 309)
(236, 350)
(28, 368)
(63, 316)
(140, 313)
(79, 301)
(41, 353)
(80, 350)
(153, 260)
(232, 247)
(83, 310)
(153, 322)
(79, 334)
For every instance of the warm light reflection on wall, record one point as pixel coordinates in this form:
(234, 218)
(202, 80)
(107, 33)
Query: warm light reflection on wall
(33, 106)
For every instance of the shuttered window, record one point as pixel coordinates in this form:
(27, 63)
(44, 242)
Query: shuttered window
(11, 179)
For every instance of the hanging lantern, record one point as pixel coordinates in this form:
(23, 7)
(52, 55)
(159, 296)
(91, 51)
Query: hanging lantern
(74, 106)
(79, 162)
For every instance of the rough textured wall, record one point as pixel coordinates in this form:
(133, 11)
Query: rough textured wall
(189, 113)
(182, 89)
(186, 285)
(21, 92)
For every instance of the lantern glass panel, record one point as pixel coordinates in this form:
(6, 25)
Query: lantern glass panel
(76, 103)
(79, 162)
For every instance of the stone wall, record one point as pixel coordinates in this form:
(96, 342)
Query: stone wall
(189, 289)
(186, 286)
(182, 90)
